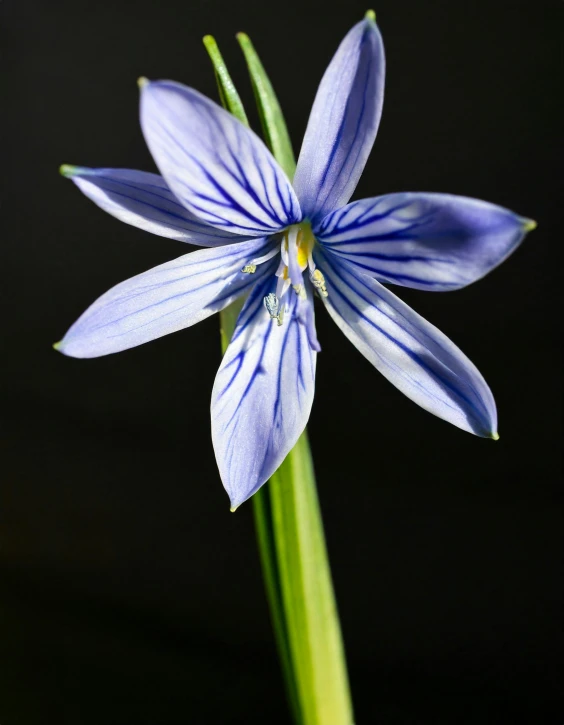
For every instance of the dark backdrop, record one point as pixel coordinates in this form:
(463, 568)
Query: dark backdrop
(129, 594)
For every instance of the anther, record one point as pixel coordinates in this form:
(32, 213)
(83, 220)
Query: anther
(251, 267)
(272, 304)
(318, 281)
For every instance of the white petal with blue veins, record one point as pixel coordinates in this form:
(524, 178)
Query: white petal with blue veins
(263, 392)
(218, 168)
(165, 299)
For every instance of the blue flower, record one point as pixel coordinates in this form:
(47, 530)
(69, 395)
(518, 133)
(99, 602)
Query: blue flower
(280, 244)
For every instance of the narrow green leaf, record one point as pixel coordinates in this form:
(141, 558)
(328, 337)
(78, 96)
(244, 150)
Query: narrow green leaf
(228, 320)
(307, 590)
(228, 95)
(270, 113)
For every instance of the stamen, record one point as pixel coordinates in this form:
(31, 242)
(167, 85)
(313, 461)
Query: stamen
(251, 267)
(284, 248)
(294, 269)
(272, 304)
(318, 281)
(283, 285)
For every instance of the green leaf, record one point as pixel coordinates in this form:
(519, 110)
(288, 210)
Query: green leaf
(307, 591)
(270, 113)
(228, 95)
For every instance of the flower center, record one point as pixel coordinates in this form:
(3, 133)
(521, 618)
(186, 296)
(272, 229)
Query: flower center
(296, 255)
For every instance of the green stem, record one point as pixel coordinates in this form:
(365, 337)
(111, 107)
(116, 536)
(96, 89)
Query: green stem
(286, 510)
(307, 591)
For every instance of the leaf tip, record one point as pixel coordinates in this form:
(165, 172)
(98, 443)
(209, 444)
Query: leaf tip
(209, 42)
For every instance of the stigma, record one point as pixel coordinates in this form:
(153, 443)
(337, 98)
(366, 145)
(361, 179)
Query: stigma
(297, 256)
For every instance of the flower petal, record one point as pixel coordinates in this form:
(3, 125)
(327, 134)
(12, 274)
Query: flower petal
(262, 394)
(145, 201)
(218, 168)
(343, 123)
(165, 299)
(436, 242)
(416, 357)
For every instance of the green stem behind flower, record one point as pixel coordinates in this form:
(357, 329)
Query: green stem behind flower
(286, 510)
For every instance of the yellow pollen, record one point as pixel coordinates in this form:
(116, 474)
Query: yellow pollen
(318, 281)
(285, 273)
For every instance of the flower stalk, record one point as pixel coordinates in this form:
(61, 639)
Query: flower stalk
(287, 515)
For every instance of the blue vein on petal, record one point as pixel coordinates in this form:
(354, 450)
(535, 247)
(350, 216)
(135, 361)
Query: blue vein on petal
(258, 167)
(245, 185)
(390, 277)
(232, 205)
(249, 318)
(263, 269)
(174, 201)
(401, 234)
(334, 219)
(293, 328)
(234, 292)
(243, 181)
(164, 211)
(416, 358)
(336, 143)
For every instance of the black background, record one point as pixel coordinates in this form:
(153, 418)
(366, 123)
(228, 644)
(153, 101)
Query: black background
(129, 594)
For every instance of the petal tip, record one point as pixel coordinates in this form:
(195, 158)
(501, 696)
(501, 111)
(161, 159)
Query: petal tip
(142, 82)
(67, 170)
(233, 509)
(494, 436)
(370, 15)
(58, 346)
(529, 224)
